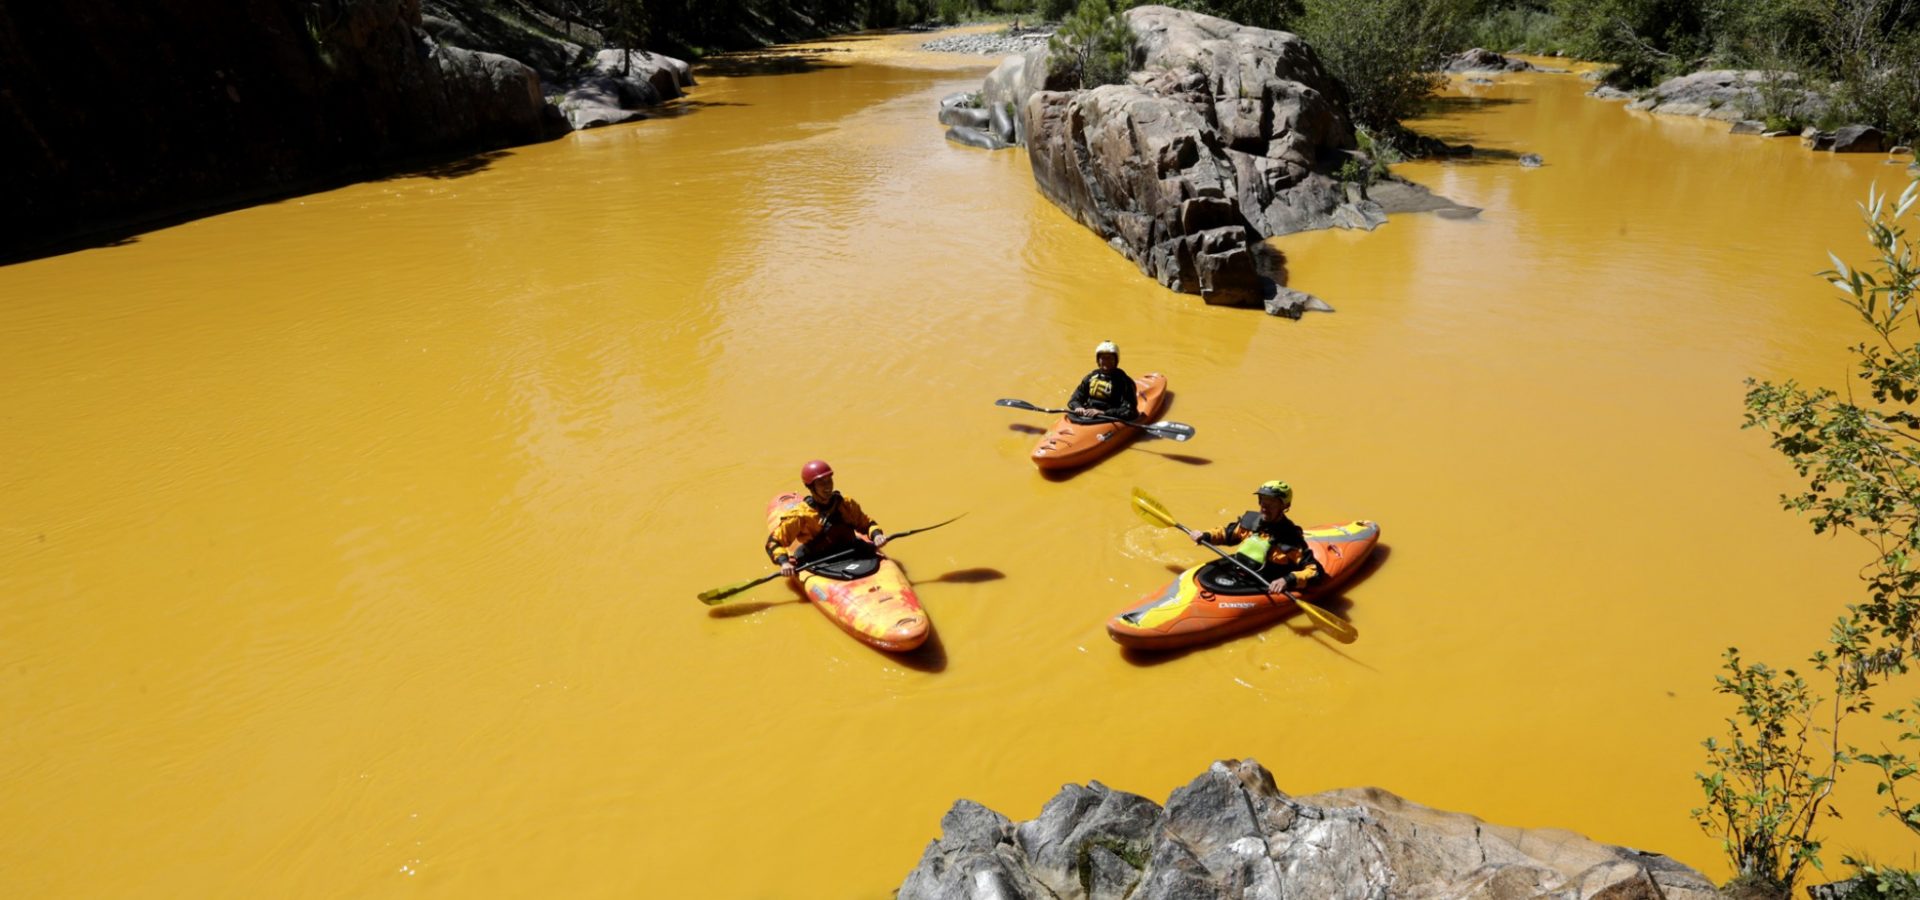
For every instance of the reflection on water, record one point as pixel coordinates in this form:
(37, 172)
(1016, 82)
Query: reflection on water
(351, 542)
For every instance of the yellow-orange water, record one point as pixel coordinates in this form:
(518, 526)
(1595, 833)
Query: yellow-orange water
(349, 544)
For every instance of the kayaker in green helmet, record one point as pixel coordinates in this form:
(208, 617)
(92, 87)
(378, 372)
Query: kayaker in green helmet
(824, 523)
(1268, 540)
(1107, 392)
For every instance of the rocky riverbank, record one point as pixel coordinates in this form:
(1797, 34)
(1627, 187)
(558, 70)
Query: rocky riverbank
(1755, 102)
(115, 118)
(1232, 832)
(1011, 42)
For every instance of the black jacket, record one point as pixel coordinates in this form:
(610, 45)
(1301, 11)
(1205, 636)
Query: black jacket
(1288, 556)
(1113, 393)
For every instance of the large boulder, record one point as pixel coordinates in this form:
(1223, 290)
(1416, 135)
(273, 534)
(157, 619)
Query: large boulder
(1228, 135)
(1231, 833)
(1859, 139)
(619, 86)
(650, 77)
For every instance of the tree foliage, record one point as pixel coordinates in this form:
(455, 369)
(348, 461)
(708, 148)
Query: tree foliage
(1386, 52)
(1858, 453)
(1769, 779)
(1093, 46)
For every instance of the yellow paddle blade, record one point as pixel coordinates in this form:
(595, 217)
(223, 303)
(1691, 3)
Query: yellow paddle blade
(1341, 629)
(1151, 510)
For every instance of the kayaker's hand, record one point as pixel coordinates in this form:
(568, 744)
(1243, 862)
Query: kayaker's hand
(1279, 585)
(786, 568)
(879, 539)
(1082, 411)
(1199, 537)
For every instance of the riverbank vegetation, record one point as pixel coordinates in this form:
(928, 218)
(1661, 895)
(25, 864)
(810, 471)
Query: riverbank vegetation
(1862, 55)
(1769, 779)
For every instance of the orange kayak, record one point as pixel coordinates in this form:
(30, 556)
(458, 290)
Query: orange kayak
(1069, 444)
(869, 597)
(1216, 599)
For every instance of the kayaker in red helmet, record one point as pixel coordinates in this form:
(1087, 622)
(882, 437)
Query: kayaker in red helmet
(1268, 540)
(1107, 392)
(825, 523)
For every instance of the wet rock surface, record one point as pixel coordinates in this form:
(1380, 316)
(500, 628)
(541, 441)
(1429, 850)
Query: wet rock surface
(1231, 833)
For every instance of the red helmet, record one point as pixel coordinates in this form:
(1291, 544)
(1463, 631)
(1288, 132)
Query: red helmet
(813, 471)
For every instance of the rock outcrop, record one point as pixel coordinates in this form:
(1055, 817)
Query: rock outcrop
(1231, 833)
(1731, 95)
(1482, 60)
(123, 113)
(1225, 136)
(618, 86)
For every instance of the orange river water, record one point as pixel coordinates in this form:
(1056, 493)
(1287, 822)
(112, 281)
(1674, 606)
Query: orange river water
(349, 543)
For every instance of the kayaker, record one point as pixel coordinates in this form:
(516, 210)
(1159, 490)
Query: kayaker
(1107, 392)
(1269, 541)
(824, 523)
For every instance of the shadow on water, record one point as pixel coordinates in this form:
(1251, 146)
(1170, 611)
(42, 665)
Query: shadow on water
(1441, 106)
(1296, 622)
(736, 610)
(674, 109)
(1270, 262)
(1485, 156)
(966, 576)
(111, 231)
(1024, 428)
(929, 657)
(783, 61)
(1176, 457)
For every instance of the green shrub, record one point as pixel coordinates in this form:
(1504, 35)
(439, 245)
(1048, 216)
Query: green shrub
(1784, 123)
(1093, 46)
(1768, 780)
(1054, 10)
(1523, 28)
(1886, 883)
(1648, 40)
(1883, 88)
(1275, 14)
(1386, 52)
(1767, 783)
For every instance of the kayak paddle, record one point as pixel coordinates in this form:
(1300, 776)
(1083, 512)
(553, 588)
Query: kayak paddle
(717, 595)
(1175, 431)
(1151, 510)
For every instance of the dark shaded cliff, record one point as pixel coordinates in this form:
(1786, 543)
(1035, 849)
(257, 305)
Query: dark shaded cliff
(115, 116)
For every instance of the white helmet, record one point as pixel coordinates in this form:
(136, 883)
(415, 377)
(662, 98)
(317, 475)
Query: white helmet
(1107, 347)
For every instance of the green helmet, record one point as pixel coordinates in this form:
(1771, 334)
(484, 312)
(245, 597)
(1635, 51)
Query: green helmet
(1276, 488)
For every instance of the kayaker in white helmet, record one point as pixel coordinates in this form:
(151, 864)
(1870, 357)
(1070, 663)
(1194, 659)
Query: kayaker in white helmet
(1268, 540)
(824, 523)
(1107, 392)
